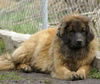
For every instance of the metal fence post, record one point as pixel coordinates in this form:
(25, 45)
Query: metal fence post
(44, 14)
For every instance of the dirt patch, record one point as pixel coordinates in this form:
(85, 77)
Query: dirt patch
(17, 77)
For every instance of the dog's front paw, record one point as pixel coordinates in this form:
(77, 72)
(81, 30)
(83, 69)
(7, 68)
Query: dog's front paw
(25, 68)
(74, 76)
(78, 76)
(81, 76)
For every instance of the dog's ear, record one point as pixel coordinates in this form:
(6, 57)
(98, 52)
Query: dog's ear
(61, 29)
(58, 33)
(90, 34)
(62, 32)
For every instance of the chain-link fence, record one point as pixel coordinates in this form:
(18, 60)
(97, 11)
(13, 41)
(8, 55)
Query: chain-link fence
(26, 16)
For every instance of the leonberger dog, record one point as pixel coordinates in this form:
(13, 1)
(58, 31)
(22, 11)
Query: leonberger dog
(66, 52)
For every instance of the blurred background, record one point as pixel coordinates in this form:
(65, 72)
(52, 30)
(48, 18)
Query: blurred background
(30, 16)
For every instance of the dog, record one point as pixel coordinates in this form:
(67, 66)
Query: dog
(66, 52)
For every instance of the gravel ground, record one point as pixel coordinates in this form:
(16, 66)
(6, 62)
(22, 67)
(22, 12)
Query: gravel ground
(16, 77)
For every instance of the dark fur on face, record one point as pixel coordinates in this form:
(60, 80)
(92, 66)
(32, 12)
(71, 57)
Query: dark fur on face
(75, 32)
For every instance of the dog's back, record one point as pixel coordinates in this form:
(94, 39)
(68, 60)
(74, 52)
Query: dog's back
(30, 52)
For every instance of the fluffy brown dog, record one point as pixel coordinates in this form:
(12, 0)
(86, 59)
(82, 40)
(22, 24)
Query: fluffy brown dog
(65, 52)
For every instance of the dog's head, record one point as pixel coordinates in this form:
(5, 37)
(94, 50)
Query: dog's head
(75, 31)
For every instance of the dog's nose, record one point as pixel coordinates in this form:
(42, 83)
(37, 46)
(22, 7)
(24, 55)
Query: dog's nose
(79, 42)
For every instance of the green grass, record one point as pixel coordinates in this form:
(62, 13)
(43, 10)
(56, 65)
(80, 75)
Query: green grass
(94, 73)
(21, 21)
(2, 46)
(99, 48)
(24, 28)
(10, 76)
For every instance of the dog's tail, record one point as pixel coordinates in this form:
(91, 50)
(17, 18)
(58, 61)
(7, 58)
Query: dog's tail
(6, 62)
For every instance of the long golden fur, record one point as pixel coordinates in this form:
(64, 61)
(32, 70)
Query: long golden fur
(46, 51)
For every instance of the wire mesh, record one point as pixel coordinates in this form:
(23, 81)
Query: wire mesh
(22, 16)
(25, 16)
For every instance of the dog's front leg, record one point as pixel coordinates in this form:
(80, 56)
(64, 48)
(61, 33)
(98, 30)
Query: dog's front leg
(83, 71)
(62, 72)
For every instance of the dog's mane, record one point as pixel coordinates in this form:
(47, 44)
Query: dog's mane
(74, 53)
